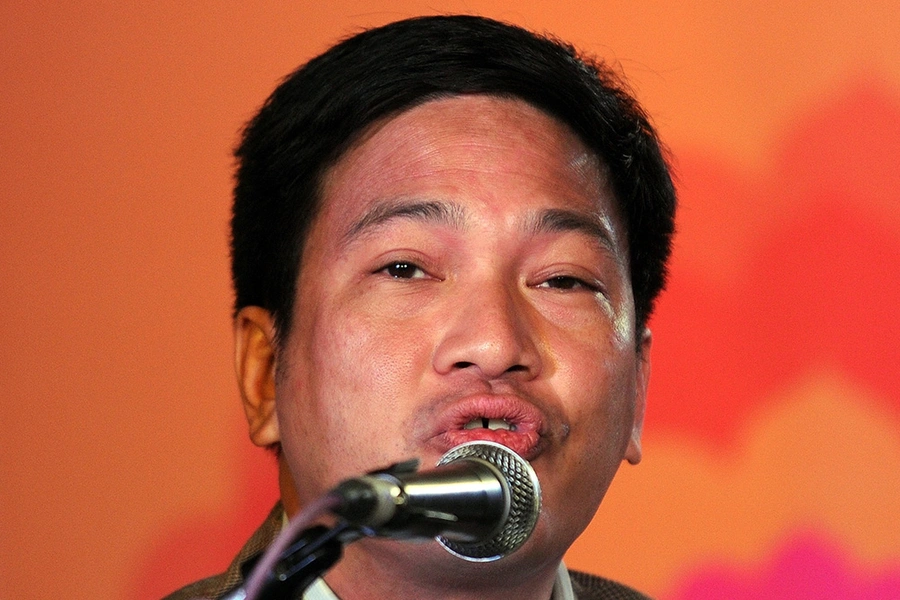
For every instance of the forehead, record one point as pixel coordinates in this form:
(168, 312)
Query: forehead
(495, 162)
(462, 143)
(473, 115)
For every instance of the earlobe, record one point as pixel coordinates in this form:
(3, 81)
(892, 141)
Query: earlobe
(255, 360)
(633, 453)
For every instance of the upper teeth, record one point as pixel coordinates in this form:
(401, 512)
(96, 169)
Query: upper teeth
(493, 424)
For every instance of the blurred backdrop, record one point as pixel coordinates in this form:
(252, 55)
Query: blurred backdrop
(772, 448)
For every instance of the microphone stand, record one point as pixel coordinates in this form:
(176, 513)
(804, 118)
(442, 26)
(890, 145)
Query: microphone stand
(301, 553)
(315, 551)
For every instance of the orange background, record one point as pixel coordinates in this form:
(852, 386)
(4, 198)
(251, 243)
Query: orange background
(773, 435)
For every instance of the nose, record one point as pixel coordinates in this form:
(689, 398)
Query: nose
(492, 332)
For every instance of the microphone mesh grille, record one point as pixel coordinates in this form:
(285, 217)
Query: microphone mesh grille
(525, 502)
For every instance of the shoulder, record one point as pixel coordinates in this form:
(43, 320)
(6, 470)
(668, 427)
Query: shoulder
(217, 585)
(591, 587)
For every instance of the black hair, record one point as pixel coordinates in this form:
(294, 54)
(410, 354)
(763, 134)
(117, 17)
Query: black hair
(321, 109)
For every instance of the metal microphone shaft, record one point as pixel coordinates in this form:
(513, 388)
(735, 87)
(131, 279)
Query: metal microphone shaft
(464, 501)
(481, 501)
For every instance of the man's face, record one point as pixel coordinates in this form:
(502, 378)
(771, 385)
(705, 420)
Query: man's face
(468, 267)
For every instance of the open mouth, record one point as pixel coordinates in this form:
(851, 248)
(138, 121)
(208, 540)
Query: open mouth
(506, 420)
(492, 424)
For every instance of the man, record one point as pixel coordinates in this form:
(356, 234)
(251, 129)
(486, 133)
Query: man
(448, 229)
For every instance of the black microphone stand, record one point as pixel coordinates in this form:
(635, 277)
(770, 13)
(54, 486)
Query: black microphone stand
(315, 551)
(294, 561)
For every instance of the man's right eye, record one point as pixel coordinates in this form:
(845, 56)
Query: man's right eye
(403, 270)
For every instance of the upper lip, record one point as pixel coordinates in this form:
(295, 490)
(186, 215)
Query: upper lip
(527, 421)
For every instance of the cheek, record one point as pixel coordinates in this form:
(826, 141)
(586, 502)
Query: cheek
(367, 356)
(599, 394)
(341, 402)
(364, 370)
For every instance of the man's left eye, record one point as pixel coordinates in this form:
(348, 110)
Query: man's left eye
(403, 270)
(565, 282)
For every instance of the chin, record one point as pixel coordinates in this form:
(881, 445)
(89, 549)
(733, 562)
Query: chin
(539, 555)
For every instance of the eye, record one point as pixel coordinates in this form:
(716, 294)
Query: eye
(402, 270)
(565, 282)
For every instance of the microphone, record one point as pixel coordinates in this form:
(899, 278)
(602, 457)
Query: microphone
(481, 501)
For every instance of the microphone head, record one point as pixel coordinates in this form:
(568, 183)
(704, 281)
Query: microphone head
(525, 502)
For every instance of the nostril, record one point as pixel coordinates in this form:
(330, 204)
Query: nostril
(512, 369)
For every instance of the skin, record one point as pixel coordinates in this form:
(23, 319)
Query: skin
(468, 261)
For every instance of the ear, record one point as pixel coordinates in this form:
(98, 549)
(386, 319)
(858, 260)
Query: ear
(633, 452)
(254, 361)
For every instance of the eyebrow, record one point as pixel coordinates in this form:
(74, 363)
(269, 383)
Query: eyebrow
(557, 220)
(553, 220)
(443, 213)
